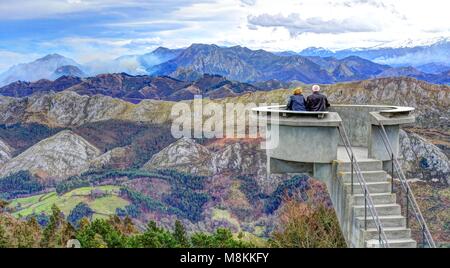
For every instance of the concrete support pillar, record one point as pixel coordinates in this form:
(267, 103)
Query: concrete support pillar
(324, 173)
(377, 148)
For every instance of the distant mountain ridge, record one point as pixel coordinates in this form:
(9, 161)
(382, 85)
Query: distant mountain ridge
(425, 56)
(133, 88)
(313, 65)
(242, 64)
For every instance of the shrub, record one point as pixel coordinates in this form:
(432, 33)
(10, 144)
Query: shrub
(81, 210)
(303, 225)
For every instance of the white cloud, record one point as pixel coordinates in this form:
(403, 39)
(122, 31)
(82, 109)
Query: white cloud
(249, 2)
(258, 24)
(32, 9)
(298, 25)
(90, 49)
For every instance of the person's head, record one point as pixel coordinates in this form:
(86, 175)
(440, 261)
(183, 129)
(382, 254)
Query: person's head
(298, 91)
(315, 88)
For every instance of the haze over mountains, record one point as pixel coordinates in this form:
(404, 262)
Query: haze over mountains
(314, 65)
(430, 56)
(51, 66)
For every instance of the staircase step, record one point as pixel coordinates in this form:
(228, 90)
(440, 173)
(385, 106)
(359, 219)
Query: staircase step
(393, 243)
(373, 187)
(386, 221)
(391, 233)
(382, 210)
(364, 165)
(369, 176)
(378, 199)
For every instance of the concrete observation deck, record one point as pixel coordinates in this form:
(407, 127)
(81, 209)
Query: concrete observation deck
(310, 142)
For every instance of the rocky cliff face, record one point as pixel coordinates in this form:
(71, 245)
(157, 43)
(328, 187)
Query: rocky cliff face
(184, 155)
(240, 158)
(61, 155)
(5, 152)
(421, 159)
(233, 157)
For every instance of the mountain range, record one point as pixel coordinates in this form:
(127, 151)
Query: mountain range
(134, 88)
(312, 65)
(120, 158)
(432, 56)
(242, 64)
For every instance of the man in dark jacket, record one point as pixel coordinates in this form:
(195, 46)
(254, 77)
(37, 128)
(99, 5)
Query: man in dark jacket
(317, 102)
(297, 101)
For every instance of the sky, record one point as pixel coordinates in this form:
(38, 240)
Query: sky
(90, 30)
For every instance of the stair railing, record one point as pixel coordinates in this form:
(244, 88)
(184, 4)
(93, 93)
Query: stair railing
(410, 199)
(368, 201)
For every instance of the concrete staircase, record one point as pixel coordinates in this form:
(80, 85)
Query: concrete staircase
(350, 208)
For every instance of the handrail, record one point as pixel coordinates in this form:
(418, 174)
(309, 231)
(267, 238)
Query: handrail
(409, 193)
(368, 201)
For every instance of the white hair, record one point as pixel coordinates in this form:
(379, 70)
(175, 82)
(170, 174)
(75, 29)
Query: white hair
(316, 88)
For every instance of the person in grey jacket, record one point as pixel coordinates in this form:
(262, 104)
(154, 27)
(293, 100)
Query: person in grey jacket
(297, 101)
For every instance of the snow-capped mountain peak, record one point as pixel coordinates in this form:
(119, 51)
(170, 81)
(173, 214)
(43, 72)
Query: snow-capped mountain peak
(408, 43)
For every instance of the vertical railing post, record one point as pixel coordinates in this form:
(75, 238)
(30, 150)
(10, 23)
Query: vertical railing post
(379, 235)
(392, 173)
(351, 167)
(365, 209)
(407, 207)
(423, 236)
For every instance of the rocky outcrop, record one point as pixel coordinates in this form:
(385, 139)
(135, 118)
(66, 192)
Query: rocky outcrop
(421, 159)
(59, 156)
(240, 158)
(184, 155)
(5, 152)
(67, 109)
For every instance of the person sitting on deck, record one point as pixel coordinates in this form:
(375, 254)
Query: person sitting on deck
(297, 101)
(317, 102)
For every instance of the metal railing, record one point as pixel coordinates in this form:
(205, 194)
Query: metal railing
(410, 199)
(368, 201)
